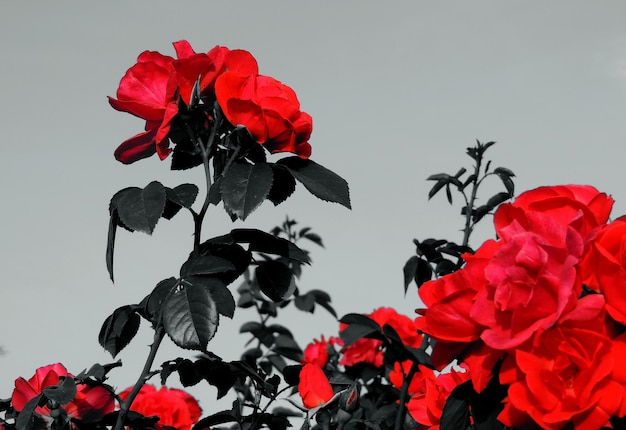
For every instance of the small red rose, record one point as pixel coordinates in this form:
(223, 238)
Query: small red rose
(314, 388)
(90, 403)
(317, 352)
(175, 408)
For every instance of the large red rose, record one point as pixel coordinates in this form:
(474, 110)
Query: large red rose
(154, 87)
(268, 109)
(603, 267)
(564, 375)
(532, 280)
(582, 207)
(175, 408)
(314, 387)
(90, 403)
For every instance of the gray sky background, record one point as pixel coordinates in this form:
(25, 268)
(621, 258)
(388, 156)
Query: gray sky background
(397, 91)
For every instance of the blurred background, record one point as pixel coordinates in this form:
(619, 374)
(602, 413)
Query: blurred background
(397, 91)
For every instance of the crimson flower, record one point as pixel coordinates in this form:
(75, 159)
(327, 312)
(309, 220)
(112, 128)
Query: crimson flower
(565, 375)
(155, 87)
(370, 350)
(317, 352)
(269, 110)
(314, 388)
(90, 403)
(175, 408)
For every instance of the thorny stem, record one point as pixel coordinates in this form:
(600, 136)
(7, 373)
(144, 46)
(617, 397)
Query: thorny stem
(467, 231)
(404, 393)
(159, 332)
(206, 151)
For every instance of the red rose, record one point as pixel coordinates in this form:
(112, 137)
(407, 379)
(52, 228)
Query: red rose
(153, 88)
(317, 352)
(450, 299)
(370, 350)
(144, 92)
(426, 407)
(532, 280)
(314, 387)
(603, 267)
(429, 392)
(564, 375)
(175, 408)
(90, 403)
(268, 109)
(582, 207)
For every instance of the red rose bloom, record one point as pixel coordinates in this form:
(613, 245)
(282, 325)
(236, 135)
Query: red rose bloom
(603, 267)
(370, 350)
(268, 109)
(450, 299)
(531, 280)
(317, 352)
(175, 408)
(90, 403)
(429, 392)
(564, 375)
(582, 207)
(144, 92)
(314, 387)
(153, 88)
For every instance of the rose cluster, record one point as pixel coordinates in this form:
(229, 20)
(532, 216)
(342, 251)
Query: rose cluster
(542, 309)
(92, 402)
(428, 390)
(172, 93)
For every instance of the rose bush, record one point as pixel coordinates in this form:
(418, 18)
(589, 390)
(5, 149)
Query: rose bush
(524, 301)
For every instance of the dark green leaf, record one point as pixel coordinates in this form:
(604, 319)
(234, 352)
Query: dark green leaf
(119, 329)
(113, 221)
(497, 199)
(215, 419)
(221, 295)
(423, 272)
(27, 420)
(275, 280)
(503, 171)
(359, 327)
(287, 347)
(205, 265)
(305, 302)
(455, 413)
(245, 186)
(283, 185)
(261, 241)
(439, 177)
(314, 238)
(141, 209)
(183, 195)
(151, 304)
(190, 317)
(435, 189)
(321, 182)
(410, 270)
(448, 194)
(63, 392)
